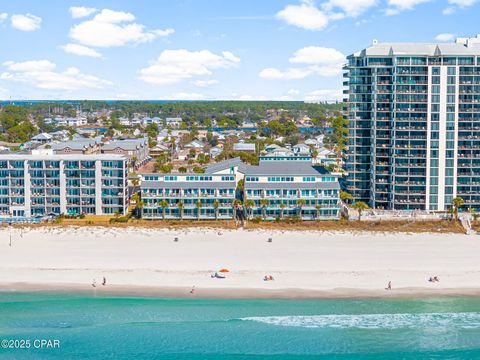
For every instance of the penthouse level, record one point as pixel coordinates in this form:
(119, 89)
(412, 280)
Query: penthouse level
(36, 185)
(188, 196)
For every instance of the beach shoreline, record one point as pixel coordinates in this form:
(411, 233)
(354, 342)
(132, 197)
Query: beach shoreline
(236, 293)
(303, 264)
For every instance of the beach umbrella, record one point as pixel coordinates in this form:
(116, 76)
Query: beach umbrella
(224, 270)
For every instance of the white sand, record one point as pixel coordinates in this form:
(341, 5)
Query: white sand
(304, 264)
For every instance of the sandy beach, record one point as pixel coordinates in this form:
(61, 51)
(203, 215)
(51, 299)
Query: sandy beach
(308, 264)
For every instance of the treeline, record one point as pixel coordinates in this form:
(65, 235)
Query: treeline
(200, 110)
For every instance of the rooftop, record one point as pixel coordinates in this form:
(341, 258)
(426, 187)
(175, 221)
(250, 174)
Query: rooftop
(462, 46)
(284, 168)
(68, 157)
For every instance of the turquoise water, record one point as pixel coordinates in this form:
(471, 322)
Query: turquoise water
(146, 328)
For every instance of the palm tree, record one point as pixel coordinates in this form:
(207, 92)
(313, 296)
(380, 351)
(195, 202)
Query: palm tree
(198, 205)
(249, 204)
(264, 203)
(345, 196)
(282, 207)
(216, 204)
(360, 206)
(318, 208)
(456, 203)
(139, 203)
(164, 204)
(181, 206)
(300, 203)
(235, 204)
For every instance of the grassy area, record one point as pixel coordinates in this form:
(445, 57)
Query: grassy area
(414, 226)
(476, 225)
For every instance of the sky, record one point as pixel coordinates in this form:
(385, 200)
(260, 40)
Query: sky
(205, 49)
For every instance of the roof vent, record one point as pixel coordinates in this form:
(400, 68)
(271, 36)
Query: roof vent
(374, 42)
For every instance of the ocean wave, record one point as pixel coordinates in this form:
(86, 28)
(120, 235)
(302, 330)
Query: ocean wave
(465, 320)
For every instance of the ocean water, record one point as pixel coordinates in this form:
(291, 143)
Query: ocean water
(148, 328)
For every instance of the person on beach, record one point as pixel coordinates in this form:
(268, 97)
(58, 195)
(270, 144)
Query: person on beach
(94, 284)
(435, 278)
(193, 289)
(389, 286)
(104, 282)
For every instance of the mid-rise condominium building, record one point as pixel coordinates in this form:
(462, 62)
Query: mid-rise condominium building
(188, 196)
(271, 190)
(280, 189)
(414, 124)
(45, 184)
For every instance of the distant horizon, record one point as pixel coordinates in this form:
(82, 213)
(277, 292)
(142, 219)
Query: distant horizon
(3, 102)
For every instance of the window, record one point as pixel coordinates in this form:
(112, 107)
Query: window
(170, 178)
(451, 71)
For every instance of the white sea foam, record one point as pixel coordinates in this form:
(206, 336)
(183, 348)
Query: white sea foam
(466, 320)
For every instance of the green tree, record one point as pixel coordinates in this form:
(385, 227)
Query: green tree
(181, 206)
(300, 204)
(216, 205)
(164, 204)
(360, 206)
(264, 203)
(345, 196)
(249, 204)
(456, 204)
(198, 205)
(282, 209)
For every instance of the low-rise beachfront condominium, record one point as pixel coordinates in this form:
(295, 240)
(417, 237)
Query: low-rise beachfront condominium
(37, 185)
(414, 124)
(279, 189)
(188, 196)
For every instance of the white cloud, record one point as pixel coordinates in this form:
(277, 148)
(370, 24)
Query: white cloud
(304, 15)
(462, 3)
(173, 66)
(42, 75)
(81, 11)
(444, 37)
(80, 50)
(324, 95)
(3, 17)
(205, 83)
(293, 92)
(321, 61)
(449, 10)
(397, 6)
(114, 28)
(317, 55)
(351, 8)
(26, 22)
(458, 4)
(307, 16)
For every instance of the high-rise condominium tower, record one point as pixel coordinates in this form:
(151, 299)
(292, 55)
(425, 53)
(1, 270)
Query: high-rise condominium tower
(414, 124)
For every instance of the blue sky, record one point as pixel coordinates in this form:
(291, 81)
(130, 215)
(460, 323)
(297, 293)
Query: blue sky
(205, 49)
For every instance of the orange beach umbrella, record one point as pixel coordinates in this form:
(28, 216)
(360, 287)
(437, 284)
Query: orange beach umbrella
(223, 270)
